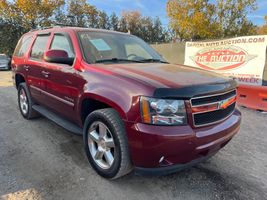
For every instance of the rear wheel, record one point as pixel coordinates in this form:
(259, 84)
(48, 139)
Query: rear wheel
(25, 102)
(106, 143)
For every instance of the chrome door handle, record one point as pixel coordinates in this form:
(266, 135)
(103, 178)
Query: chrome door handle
(26, 67)
(45, 74)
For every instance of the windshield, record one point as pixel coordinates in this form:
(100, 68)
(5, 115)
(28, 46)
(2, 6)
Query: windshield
(108, 47)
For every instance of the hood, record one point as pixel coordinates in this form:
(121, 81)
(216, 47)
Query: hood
(173, 80)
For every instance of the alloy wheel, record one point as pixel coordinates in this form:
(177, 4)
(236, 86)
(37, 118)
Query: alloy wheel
(101, 145)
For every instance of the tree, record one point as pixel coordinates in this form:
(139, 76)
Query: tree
(146, 31)
(114, 22)
(79, 11)
(132, 21)
(92, 18)
(263, 29)
(159, 35)
(60, 17)
(192, 19)
(200, 19)
(103, 20)
(9, 35)
(19, 16)
(142, 26)
(29, 13)
(123, 25)
(232, 17)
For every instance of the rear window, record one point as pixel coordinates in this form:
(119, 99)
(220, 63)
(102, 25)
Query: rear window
(39, 47)
(23, 46)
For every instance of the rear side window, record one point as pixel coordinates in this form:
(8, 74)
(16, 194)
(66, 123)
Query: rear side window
(39, 47)
(23, 46)
(61, 42)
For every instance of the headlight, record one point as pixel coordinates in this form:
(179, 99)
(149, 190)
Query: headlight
(163, 111)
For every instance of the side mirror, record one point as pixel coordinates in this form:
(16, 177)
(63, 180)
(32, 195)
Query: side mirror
(58, 56)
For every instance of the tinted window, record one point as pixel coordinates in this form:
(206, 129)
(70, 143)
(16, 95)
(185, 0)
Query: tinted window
(39, 47)
(23, 46)
(61, 42)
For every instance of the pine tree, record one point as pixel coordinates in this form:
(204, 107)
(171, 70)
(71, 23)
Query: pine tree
(114, 22)
(103, 20)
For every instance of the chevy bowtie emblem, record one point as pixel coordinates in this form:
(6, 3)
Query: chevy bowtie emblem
(221, 105)
(227, 102)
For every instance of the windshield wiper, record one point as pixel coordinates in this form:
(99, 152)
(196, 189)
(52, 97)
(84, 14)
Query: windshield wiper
(153, 60)
(117, 60)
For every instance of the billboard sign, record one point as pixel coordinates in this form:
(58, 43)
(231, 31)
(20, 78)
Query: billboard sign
(242, 58)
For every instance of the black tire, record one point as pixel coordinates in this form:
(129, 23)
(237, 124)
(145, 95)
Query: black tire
(30, 114)
(111, 119)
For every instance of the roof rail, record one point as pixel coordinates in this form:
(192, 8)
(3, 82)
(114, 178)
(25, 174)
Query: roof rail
(56, 25)
(41, 28)
(62, 25)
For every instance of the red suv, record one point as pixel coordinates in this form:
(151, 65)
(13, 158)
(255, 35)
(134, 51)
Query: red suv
(134, 110)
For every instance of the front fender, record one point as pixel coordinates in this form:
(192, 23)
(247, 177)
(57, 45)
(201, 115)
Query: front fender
(121, 101)
(119, 92)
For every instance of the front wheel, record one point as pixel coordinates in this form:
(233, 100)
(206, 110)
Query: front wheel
(106, 143)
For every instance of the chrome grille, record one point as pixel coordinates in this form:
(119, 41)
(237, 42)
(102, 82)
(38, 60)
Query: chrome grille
(211, 109)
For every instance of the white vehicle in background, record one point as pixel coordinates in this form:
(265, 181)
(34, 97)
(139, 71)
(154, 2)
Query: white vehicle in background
(4, 62)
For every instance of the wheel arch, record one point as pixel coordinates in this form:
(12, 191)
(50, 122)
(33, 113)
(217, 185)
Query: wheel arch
(91, 102)
(19, 78)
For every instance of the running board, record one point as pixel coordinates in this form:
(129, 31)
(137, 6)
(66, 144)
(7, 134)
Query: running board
(58, 120)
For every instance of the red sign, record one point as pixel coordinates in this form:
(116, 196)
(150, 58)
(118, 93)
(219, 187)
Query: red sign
(242, 58)
(222, 58)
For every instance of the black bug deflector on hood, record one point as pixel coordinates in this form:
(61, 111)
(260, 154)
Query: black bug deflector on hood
(188, 92)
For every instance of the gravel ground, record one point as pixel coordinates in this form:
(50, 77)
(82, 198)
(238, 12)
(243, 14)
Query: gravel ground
(39, 160)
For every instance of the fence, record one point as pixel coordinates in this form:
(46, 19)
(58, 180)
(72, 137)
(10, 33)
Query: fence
(172, 52)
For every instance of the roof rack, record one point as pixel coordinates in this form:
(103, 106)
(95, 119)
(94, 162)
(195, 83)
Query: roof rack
(62, 25)
(56, 25)
(41, 28)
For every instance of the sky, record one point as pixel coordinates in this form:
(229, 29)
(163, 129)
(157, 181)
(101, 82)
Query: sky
(155, 8)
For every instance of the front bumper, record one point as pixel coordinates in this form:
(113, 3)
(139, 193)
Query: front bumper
(165, 149)
(161, 171)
